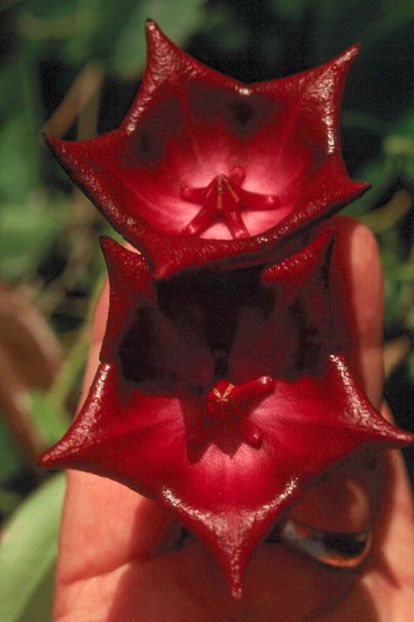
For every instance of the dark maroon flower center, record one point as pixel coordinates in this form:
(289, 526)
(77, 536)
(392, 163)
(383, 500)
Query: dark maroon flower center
(221, 340)
(188, 334)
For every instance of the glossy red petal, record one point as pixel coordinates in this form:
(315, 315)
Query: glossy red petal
(228, 493)
(131, 286)
(307, 427)
(276, 144)
(296, 336)
(301, 270)
(227, 457)
(133, 306)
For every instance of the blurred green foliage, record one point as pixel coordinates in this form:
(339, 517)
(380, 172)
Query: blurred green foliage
(48, 233)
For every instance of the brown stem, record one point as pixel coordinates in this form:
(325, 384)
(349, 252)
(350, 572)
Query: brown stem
(15, 407)
(84, 93)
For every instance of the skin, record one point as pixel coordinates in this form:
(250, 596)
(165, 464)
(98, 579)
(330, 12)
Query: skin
(107, 569)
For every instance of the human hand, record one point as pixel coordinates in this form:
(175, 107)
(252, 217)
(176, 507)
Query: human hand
(108, 567)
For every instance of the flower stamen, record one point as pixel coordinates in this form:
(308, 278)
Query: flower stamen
(229, 402)
(224, 198)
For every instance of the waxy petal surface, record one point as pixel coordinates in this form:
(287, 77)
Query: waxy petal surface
(275, 144)
(154, 432)
(228, 493)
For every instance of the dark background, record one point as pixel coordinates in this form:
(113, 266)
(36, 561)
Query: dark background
(71, 68)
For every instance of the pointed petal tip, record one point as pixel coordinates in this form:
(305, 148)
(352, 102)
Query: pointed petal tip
(233, 569)
(404, 437)
(114, 255)
(56, 145)
(50, 459)
(386, 435)
(128, 271)
(296, 269)
(363, 186)
(236, 589)
(151, 27)
(112, 250)
(352, 51)
(337, 68)
(348, 56)
(67, 153)
(42, 461)
(107, 243)
(354, 190)
(155, 34)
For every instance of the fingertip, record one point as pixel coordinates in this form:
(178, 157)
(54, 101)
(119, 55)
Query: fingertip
(97, 334)
(100, 316)
(357, 283)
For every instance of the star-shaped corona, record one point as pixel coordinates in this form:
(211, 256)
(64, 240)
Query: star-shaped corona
(205, 169)
(224, 198)
(232, 404)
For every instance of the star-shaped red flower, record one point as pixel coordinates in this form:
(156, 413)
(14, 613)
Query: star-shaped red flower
(206, 169)
(224, 409)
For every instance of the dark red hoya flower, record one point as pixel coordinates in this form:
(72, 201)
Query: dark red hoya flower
(222, 395)
(206, 169)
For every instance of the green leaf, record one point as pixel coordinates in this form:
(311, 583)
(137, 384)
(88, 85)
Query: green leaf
(27, 231)
(290, 9)
(11, 462)
(338, 24)
(379, 174)
(49, 417)
(18, 173)
(103, 30)
(178, 23)
(20, 128)
(405, 124)
(28, 556)
(9, 501)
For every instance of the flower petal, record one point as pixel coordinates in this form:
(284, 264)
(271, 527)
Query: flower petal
(227, 460)
(276, 144)
(148, 345)
(231, 493)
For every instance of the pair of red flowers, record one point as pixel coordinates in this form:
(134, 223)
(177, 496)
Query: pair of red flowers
(223, 391)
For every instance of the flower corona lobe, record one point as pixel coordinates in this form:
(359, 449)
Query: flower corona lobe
(223, 391)
(223, 408)
(206, 169)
